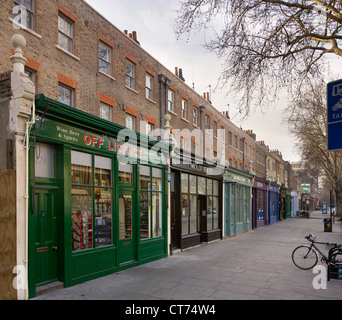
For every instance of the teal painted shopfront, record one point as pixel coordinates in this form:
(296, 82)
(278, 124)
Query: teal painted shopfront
(237, 202)
(98, 200)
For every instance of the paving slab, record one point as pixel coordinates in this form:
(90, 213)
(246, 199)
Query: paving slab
(253, 266)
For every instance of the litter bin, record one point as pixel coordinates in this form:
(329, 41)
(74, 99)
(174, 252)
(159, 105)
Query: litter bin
(327, 225)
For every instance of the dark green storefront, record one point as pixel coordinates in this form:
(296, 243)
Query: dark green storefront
(98, 200)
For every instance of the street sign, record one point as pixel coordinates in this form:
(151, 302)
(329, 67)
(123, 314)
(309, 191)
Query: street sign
(334, 99)
(324, 208)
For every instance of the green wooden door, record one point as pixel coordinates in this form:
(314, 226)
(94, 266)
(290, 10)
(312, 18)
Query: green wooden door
(127, 247)
(45, 222)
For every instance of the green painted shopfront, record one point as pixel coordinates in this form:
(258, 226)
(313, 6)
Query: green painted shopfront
(98, 197)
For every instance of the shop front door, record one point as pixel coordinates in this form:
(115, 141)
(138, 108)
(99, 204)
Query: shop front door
(45, 222)
(127, 249)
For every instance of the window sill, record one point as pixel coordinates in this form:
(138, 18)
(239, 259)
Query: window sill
(132, 90)
(107, 75)
(148, 99)
(67, 52)
(175, 114)
(186, 120)
(18, 25)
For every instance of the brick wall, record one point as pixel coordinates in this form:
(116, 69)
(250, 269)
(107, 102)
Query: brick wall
(5, 85)
(80, 70)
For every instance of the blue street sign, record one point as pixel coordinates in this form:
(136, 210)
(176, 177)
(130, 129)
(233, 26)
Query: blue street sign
(334, 98)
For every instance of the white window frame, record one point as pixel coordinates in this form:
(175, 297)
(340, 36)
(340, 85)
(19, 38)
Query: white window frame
(109, 108)
(149, 87)
(107, 62)
(62, 34)
(29, 12)
(130, 122)
(170, 100)
(130, 77)
(72, 94)
(184, 109)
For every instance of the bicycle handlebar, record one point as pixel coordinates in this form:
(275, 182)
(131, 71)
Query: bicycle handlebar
(312, 238)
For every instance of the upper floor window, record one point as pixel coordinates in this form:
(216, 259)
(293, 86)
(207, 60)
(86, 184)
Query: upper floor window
(184, 109)
(65, 95)
(130, 75)
(130, 122)
(149, 87)
(104, 59)
(194, 118)
(170, 100)
(207, 122)
(105, 112)
(65, 33)
(24, 12)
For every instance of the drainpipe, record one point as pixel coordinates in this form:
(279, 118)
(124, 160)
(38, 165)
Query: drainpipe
(201, 109)
(161, 80)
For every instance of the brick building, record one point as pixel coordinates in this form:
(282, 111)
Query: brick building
(76, 58)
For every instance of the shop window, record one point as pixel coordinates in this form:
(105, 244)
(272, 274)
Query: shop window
(24, 12)
(189, 203)
(125, 173)
(44, 157)
(246, 198)
(65, 33)
(91, 197)
(239, 204)
(150, 202)
(201, 185)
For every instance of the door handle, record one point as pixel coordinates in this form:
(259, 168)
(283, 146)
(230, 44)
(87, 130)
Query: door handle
(55, 248)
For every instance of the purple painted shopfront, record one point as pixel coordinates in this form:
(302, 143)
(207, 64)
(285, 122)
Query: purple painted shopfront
(259, 204)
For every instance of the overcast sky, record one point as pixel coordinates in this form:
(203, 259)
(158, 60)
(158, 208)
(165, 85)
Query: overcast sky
(154, 22)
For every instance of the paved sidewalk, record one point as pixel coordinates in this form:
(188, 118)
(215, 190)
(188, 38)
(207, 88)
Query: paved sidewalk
(253, 266)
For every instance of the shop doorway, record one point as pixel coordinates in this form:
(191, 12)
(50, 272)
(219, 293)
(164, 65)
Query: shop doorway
(45, 236)
(127, 247)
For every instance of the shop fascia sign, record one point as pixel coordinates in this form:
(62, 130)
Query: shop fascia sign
(305, 188)
(68, 134)
(237, 178)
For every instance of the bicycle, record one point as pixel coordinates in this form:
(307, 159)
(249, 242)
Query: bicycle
(305, 257)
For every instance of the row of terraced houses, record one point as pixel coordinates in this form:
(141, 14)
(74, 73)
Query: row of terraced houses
(92, 185)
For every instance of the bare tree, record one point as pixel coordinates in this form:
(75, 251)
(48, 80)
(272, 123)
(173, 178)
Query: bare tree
(266, 45)
(308, 123)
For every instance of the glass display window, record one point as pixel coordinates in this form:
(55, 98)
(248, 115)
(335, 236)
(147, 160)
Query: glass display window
(151, 222)
(125, 173)
(91, 197)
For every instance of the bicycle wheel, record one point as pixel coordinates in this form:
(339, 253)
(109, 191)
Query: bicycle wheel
(304, 257)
